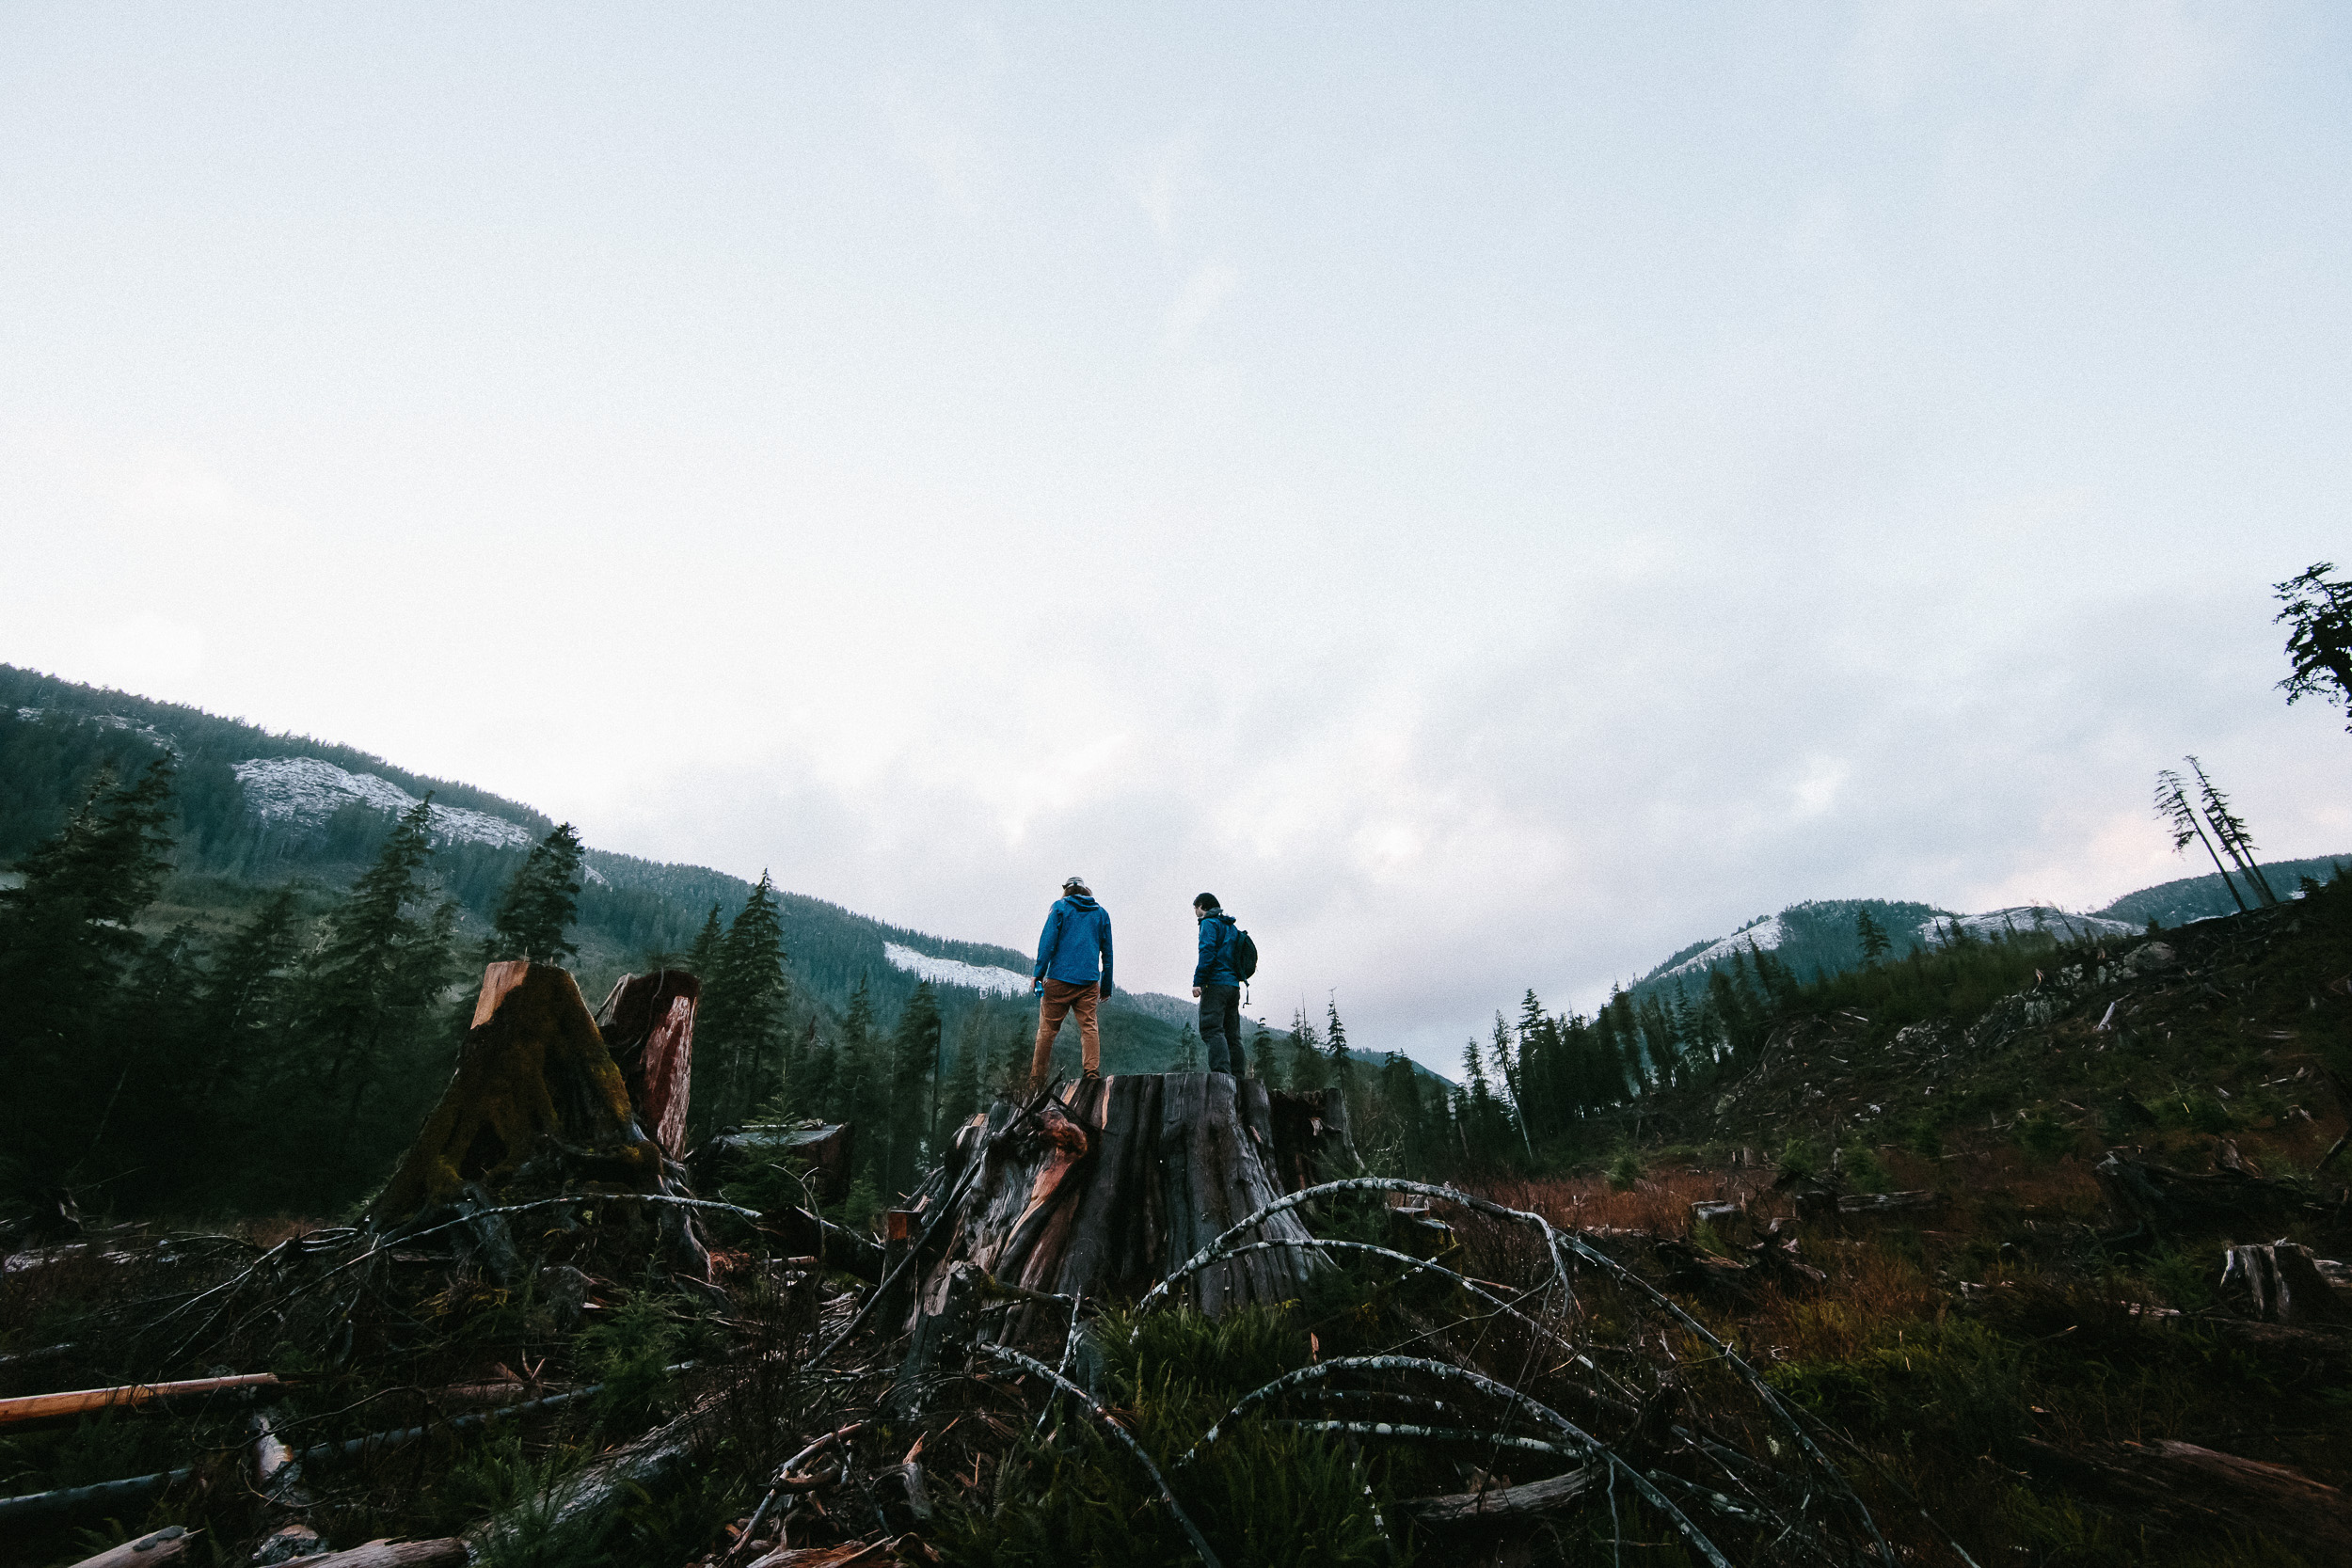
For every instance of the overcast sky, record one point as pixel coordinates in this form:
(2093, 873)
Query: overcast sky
(1496, 494)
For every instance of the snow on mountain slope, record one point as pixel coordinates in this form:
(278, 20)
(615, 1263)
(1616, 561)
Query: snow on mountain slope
(986, 978)
(1765, 933)
(2022, 918)
(305, 790)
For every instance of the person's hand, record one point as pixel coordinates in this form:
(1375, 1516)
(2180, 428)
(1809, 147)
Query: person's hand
(1037, 988)
(1196, 991)
(1103, 990)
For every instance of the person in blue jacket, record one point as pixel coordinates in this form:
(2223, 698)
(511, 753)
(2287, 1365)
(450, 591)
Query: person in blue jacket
(1217, 986)
(1073, 974)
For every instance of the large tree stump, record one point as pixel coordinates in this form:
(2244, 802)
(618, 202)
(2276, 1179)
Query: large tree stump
(537, 1108)
(648, 1026)
(533, 1078)
(1111, 1186)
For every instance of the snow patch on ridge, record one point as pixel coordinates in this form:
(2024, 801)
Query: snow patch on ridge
(990, 979)
(305, 790)
(1765, 933)
(2023, 918)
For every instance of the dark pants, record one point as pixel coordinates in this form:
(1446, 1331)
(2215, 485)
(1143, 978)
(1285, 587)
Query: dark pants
(1220, 1027)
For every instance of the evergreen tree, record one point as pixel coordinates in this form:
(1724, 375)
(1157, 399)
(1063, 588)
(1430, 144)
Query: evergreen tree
(1263, 1065)
(2172, 805)
(1513, 1076)
(701, 959)
(1871, 936)
(540, 904)
(1335, 1045)
(2231, 829)
(2318, 611)
(915, 1065)
(742, 1015)
(968, 1070)
(1188, 1049)
(240, 1001)
(366, 995)
(1307, 1070)
(1399, 1096)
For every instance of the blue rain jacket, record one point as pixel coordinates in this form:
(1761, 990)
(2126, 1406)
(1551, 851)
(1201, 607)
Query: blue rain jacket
(1077, 936)
(1215, 967)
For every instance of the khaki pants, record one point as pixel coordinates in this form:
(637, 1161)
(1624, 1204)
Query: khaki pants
(1061, 998)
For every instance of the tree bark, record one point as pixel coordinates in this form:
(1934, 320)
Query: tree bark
(648, 1026)
(1121, 1180)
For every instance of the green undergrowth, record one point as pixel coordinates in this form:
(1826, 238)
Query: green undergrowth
(1260, 1492)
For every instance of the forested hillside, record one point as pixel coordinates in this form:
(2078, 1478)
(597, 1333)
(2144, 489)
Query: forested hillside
(220, 926)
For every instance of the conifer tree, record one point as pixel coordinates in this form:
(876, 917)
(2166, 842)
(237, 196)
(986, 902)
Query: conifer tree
(915, 1047)
(1335, 1045)
(2172, 805)
(1871, 936)
(701, 959)
(2318, 611)
(1188, 1049)
(380, 966)
(240, 1000)
(1262, 1064)
(741, 1012)
(1307, 1070)
(1399, 1096)
(2231, 829)
(540, 904)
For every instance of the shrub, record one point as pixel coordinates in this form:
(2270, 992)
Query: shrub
(2045, 1136)
(1799, 1157)
(1625, 1170)
(1863, 1169)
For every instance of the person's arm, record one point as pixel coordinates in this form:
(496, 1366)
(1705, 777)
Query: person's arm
(1208, 956)
(1106, 952)
(1046, 941)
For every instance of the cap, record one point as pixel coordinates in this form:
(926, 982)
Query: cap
(1073, 880)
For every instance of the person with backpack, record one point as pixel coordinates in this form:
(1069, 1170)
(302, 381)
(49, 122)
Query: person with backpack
(1073, 974)
(1228, 958)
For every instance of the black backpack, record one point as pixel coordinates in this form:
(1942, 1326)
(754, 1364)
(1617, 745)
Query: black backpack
(1241, 955)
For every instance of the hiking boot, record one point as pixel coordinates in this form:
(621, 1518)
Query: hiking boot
(1091, 1076)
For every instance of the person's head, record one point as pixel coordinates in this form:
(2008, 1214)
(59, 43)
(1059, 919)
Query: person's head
(1205, 906)
(1076, 885)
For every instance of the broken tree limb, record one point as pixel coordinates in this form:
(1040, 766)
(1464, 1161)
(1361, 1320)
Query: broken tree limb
(35, 1407)
(1552, 1495)
(152, 1550)
(444, 1553)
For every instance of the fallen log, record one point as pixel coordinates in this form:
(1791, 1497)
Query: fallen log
(2184, 1486)
(1889, 1203)
(444, 1553)
(36, 1407)
(1505, 1504)
(2161, 1199)
(152, 1550)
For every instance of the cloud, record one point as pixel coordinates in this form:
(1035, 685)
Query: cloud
(1208, 288)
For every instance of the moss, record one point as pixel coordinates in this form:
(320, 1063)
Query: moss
(537, 1068)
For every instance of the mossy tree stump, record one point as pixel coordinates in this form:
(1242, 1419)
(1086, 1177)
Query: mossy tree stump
(538, 1107)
